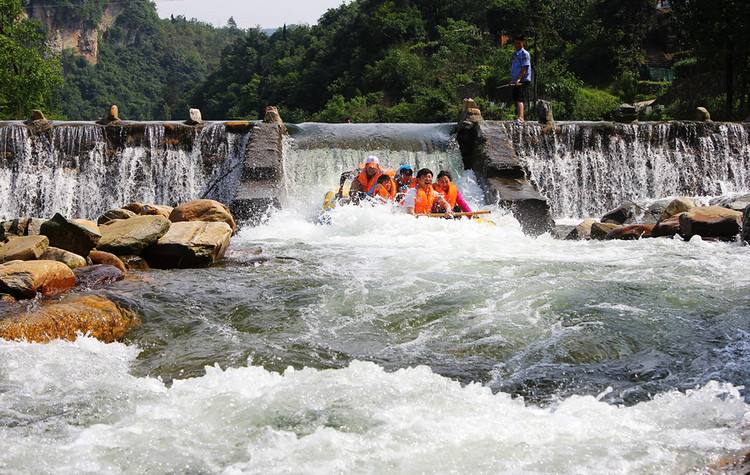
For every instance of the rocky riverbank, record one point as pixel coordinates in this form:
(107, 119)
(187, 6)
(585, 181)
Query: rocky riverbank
(724, 218)
(45, 263)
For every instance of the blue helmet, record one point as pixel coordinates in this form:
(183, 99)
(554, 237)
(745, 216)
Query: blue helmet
(405, 167)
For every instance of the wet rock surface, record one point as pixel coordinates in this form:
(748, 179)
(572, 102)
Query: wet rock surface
(23, 248)
(77, 237)
(24, 279)
(710, 222)
(67, 318)
(106, 258)
(203, 210)
(131, 236)
(190, 244)
(630, 233)
(599, 231)
(100, 275)
(68, 258)
(114, 214)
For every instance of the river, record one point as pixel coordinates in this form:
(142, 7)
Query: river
(381, 343)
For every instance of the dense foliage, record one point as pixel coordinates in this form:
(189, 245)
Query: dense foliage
(29, 73)
(414, 60)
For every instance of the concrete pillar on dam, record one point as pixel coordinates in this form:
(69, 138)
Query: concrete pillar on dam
(262, 175)
(488, 150)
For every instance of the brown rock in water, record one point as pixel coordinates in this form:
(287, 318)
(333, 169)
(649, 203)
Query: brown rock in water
(65, 319)
(113, 116)
(26, 248)
(142, 209)
(623, 214)
(114, 214)
(23, 279)
(702, 114)
(203, 210)
(131, 236)
(135, 263)
(599, 231)
(631, 233)
(100, 275)
(85, 223)
(582, 231)
(710, 222)
(190, 244)
(71, 236)
(68, 258)
(677, 206)
(667, 227)
(101, 257)
(746, 225)
(21, 227)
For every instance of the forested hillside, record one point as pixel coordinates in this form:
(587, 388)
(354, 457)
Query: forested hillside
(407, 60)
(147, 65)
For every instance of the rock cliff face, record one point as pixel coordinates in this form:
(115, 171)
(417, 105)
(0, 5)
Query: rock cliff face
(79, 36)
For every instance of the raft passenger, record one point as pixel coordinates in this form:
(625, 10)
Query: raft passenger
(385, 189)
(445, 186)
(367, 179)
(423, 198)
(404, 181)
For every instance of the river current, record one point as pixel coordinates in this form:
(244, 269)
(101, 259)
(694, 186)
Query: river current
(380, 343)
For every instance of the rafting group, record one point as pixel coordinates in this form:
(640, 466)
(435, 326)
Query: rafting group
(417, 195)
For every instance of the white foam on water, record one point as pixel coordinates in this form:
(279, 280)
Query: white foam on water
(359, 419)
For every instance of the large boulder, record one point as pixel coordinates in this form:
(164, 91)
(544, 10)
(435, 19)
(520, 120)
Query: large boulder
(23, 279)
(99, 275)
(677, 206)
(77, 238)
(26, 248)
(599, 231)
(582, 231)
(69, 317)
(70, 259)
(113, 214)
(105, 258)
(190, 244)
(630, 233)
(203, 210)
(667, 227)
(623, 214)
(746, 225)
(710, 222)
(131, 236)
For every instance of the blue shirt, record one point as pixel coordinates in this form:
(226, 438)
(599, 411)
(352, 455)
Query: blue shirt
(521, 59)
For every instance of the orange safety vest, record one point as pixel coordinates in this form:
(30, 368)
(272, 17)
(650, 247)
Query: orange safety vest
(368, 184)
(451, 196)
(382, 192)
(425, 200)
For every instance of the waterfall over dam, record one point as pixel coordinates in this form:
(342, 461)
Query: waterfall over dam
(582, 168)
(588, 168)
(83, 169)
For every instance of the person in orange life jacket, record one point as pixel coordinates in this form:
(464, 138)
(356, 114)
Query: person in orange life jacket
(365, 182)
(385, 190)
(404, 181)
(422, 198)
(445, 186)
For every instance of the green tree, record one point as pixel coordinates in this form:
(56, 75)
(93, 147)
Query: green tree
(29, 72)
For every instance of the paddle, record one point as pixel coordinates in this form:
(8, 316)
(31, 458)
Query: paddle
(454, 215)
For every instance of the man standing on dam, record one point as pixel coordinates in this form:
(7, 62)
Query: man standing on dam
(520, 77)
